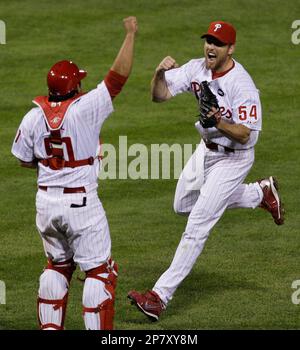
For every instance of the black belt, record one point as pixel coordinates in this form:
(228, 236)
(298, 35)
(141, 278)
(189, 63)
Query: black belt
(67, 189)
(215, 147)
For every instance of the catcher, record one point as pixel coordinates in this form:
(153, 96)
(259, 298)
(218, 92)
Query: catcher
(60, 137)
(212, 180)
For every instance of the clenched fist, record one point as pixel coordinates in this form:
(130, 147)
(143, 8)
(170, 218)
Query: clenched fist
(130, 24)
(167, 63)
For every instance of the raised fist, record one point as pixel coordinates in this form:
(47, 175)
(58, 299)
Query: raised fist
(167, 63)
(130, 24)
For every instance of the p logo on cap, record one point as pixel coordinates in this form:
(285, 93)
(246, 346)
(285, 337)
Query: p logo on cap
(217, 26)
(223, 31)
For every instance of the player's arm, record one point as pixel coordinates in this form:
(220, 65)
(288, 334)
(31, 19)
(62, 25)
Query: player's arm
(159, 88)
(121, 68)
(237, 132)
(22, 147)
(246, 116)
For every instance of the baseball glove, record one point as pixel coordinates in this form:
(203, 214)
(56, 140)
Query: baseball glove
(207, 100)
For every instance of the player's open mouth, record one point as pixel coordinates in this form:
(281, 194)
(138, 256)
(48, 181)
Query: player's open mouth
(211, 56)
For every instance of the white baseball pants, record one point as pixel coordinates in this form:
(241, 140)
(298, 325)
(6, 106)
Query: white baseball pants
(68, 231)
(211, 182)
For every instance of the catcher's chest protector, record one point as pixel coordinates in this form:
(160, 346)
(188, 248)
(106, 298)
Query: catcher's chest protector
(54, 114)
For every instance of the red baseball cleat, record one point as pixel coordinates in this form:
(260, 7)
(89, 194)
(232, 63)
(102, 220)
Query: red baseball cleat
(149, 303)
(271, 200)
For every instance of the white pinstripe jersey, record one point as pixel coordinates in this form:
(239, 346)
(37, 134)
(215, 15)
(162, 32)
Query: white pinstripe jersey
(237, 96)
(80, 129)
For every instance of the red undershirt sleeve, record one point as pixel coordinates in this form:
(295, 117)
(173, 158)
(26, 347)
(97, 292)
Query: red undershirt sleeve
(114, 83)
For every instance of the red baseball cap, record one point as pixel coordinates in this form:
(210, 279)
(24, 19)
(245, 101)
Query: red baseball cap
(222, 31)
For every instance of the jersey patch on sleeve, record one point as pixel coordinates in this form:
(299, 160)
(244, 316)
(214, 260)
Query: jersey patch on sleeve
(18, 136)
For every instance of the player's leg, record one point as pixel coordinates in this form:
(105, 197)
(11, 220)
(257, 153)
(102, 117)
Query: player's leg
(90, 240)
(53, 294)
(263, 193)
(246, 196)
(55, 280)
(99, 296)
(209, 208)
(190, 182)
(221, 181)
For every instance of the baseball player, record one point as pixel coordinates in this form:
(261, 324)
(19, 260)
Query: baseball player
(60, 136)
(212, 180)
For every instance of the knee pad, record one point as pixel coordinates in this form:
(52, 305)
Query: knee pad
(99, 296)
(53, 294)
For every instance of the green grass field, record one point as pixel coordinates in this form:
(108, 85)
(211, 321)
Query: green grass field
(243, 278)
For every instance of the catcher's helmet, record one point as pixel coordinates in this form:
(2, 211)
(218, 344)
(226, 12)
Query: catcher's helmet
(63, 78)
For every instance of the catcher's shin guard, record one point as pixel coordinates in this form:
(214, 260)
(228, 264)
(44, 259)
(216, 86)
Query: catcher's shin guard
(53, 294)
(99, 296)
